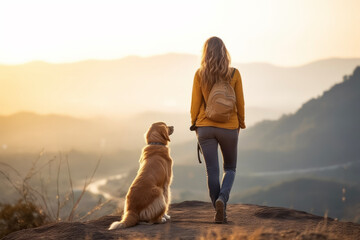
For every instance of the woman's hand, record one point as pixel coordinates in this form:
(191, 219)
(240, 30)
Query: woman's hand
(193, 127)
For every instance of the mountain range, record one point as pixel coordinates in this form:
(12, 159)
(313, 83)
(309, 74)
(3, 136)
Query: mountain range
(161, 83)
(324, 131)
(270, 91)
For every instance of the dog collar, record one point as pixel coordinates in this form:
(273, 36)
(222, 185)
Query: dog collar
(156, 143)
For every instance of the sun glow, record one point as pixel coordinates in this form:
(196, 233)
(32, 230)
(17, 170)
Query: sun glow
(278, 31)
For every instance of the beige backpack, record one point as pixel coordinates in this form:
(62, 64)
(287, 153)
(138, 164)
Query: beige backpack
(221, 102)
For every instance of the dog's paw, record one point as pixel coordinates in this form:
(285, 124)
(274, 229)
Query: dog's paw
(167, 217)
(163, 220)
(116, 225)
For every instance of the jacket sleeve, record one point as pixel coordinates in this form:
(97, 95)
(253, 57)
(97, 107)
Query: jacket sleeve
(240, 104)
(196, 98)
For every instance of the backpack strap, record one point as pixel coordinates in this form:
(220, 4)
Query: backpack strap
(232, 75)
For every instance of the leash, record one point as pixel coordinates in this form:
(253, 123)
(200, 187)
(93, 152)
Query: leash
(198, 152)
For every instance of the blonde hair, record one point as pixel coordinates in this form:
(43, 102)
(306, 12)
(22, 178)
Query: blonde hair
(215, 63)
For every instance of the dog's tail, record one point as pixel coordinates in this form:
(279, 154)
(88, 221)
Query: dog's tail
(129, 219)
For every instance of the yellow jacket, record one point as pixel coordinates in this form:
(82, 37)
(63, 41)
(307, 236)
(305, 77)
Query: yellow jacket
(197, 111)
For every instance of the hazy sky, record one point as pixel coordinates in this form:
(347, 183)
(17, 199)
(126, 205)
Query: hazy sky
(281, 32)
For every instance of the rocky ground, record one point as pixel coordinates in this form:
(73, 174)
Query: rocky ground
(194, 220)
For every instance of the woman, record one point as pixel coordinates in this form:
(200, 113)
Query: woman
(215, 67)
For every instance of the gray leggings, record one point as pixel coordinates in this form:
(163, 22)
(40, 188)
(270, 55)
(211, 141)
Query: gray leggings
(209, 138)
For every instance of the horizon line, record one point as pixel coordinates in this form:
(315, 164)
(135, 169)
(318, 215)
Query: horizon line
(170, 53)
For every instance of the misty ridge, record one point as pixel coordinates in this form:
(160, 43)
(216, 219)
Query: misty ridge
(126, 95)
(310, 156)
(132, 85)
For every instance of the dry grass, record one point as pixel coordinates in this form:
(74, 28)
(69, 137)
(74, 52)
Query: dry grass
(266, 234)
(40, 197)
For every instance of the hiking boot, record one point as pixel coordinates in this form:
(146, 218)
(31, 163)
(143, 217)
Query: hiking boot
(220, 211)
(225, 217)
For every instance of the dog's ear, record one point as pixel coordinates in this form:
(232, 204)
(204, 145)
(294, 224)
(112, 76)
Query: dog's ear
(165, 134)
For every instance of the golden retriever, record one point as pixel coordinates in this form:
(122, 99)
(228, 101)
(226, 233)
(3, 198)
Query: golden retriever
(149, 196)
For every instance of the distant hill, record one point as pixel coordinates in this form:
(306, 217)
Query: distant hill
(324, 131)
(320, 197)
(159, 83)
(31, 132)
